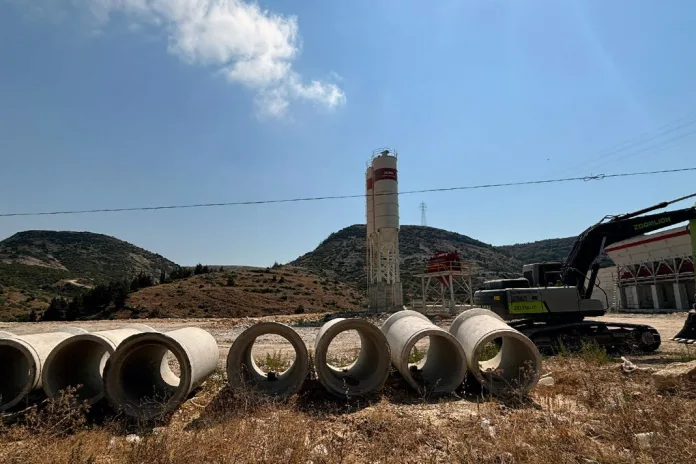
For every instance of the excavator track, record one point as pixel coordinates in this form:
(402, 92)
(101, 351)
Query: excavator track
(552, 338)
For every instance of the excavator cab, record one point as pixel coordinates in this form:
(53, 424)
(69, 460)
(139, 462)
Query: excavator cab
(543, 274)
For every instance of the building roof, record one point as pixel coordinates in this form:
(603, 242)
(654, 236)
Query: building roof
(671, 243)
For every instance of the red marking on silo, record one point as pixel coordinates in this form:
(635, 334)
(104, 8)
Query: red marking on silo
(384, 174)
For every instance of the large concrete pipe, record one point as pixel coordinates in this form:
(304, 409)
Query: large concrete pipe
(444, 367)
(79, 361)
(242, 370)
(22, 360)
(516, 366)
(367, 373)
(4, 334)
(139, 381)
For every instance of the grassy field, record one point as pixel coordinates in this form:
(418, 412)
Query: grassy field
(594, 413)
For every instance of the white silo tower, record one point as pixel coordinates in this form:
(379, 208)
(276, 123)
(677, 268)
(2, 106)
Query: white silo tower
(370, 222)
(384, 285)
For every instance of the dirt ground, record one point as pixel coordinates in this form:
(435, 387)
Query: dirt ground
(226, 331)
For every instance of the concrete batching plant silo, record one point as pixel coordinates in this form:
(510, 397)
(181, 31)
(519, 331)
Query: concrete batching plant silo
(370, 221)
(384, 281)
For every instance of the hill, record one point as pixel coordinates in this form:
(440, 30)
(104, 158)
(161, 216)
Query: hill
(37, 265)
(342, 255)
(245, 292)
(97, 257)
(553, 249)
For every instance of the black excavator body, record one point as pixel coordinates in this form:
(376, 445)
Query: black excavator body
(551, 302)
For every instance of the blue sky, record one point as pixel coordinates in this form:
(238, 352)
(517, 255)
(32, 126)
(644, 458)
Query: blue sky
(123, 103)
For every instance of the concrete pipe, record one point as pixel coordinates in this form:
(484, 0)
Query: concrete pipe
(4, 334)
(516, 366)
(22, 360)
(79, 361)
(367, 373)
(444, 367)
(242, 370)
(139, 381)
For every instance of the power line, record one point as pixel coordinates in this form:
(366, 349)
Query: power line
(636, 142)
(423, 207)
(341, 197)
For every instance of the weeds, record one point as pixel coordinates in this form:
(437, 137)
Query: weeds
(593, 413)
(276, 362)
(343, 360)
(687, 355)
(416, 355)
(592, 353)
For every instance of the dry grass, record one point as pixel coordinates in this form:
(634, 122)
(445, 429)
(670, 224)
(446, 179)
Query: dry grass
(591, 414)
(255, 293)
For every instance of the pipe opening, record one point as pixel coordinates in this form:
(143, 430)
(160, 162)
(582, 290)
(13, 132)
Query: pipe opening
(346, 370)
(286, 370)
(147, 375)
(490, 350)
(272, 355)
(514, 365)
(78, 364)
(342, 352)
(441, 363)
(15, 374)
(417, 355)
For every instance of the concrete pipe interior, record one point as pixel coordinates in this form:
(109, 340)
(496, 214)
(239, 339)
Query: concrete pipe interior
(143, 381)
(355, 371)
(16, 375)
(513, 367)
(438, 365)
(243, 370)
(77, 364)
(272, 355)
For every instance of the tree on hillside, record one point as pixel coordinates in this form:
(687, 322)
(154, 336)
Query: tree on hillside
(119, 294)
(56, 310)
(143, 280)
(180, 273)
(163, 277)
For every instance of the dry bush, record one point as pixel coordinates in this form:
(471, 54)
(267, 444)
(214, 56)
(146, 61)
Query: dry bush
(591, 414)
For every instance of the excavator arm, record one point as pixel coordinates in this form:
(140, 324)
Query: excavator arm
(591, 242)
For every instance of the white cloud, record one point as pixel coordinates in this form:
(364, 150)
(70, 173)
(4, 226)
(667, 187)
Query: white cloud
(248, 45)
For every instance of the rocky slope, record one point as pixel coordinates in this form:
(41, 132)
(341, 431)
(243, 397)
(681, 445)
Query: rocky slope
(342, 255)
(87, 255)
(36, 265)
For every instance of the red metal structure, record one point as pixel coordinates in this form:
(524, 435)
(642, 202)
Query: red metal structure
(442, 261)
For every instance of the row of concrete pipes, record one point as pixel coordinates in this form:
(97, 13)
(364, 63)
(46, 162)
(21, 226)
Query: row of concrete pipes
(130, 366)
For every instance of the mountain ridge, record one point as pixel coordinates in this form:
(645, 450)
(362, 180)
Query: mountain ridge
(342, 254)
(96, 257)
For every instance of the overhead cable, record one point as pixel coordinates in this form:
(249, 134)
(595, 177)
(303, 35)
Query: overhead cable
(340, 197)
